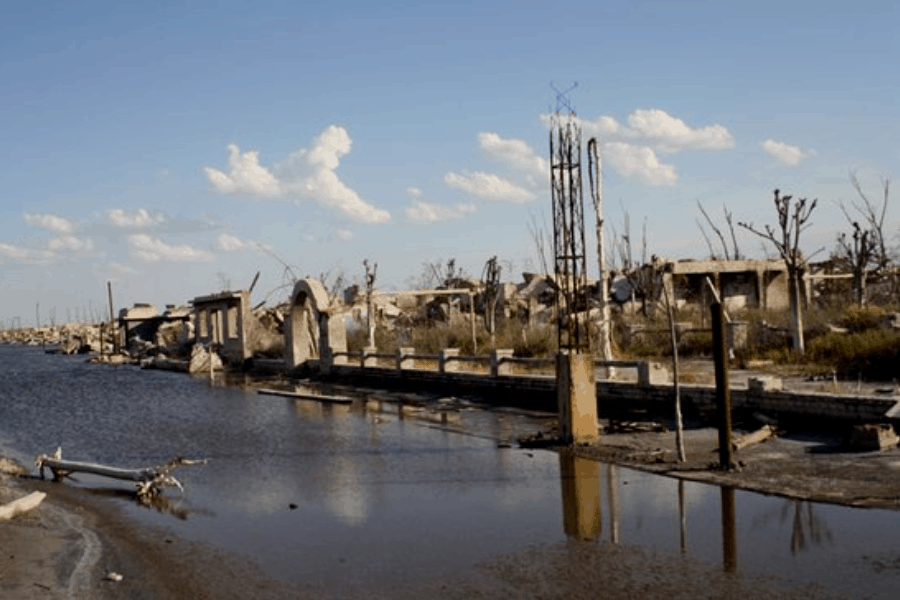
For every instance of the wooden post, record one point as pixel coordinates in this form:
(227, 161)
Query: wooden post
(472, 321)
(723, 389)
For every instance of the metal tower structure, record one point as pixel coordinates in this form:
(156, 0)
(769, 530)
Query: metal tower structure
(568, 231)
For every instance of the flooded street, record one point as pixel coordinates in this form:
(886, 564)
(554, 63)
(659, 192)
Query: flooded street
(341, 498)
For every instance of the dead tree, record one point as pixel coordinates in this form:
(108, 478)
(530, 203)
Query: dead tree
(595, 176)
(874, 215)
(538, 237)
(490, 280)
(736, 252)
(370, 286)
(858, 252)
(792, 220)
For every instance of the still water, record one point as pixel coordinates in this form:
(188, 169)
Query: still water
(306, 488)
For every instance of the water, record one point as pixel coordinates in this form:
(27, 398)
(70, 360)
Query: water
(306, 488)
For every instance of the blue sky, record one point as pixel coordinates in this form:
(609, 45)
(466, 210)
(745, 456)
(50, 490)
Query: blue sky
(171, 147)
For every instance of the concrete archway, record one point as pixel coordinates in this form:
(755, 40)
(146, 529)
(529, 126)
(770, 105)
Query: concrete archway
(311, 334)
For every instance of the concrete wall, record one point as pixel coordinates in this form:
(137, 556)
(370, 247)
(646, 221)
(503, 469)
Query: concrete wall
(222, 319)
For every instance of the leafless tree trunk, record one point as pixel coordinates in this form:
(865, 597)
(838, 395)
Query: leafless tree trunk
(595, 174)
(874, 217)
(370, 286)
(858, 253)
(792, 220)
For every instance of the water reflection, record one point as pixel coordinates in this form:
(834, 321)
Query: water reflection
(806, 526)
(580, 480)
(729, 534)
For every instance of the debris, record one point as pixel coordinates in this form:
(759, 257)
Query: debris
(16, 507)
(306, 396)
(113, 576)
(148, 481)
(760, 435)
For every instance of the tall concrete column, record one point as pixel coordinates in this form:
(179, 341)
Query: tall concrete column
(576, 395)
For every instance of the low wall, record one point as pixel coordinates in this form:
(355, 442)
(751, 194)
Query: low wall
(538, 392)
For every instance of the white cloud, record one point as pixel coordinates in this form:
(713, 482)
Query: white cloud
(427, 212)
(413, 192)
(306, 175)
(671, 134)
(151, 249)
(639, 163)
(139, 219)
(49, 222)
(246, 177)
(489, 187)
(229, 243)
(70, 243)
(632, 149)
(657, 129)
(789, 155)
(515, 153)
(345, 234)
(18, 254)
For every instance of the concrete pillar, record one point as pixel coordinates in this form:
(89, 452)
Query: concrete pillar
(402, 361)
(498, 365)
(366, 358)
(447, 362)
(576, 396)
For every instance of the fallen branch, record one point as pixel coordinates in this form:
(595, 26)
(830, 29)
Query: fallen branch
(148, 480)
(17, 507)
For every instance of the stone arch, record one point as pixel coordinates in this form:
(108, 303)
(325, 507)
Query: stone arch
(311, 333)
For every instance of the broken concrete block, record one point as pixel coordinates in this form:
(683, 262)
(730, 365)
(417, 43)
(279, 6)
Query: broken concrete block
(765, 383)
(876, 436)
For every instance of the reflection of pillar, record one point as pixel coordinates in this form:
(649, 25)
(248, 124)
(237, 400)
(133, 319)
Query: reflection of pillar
(580, 478)
(682, 512)
(612, 486)
(729, 535)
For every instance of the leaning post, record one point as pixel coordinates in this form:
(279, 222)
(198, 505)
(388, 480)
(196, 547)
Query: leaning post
(723, 390)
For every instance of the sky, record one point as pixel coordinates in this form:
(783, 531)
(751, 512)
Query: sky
(173, 150)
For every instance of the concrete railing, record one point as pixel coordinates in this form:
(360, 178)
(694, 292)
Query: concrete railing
(499, 362)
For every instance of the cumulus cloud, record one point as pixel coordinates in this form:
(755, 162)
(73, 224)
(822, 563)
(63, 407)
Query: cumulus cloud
(151, 249)
(514, 153)
(657, 129)
(139, 219)
(789, 155)
(306, 175)
(489, 186)
(49, 222)
(632, 149)
(17, 254)
(639, 163)
(70, 243)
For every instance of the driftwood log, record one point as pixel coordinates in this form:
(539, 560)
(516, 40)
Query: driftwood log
(148, 481)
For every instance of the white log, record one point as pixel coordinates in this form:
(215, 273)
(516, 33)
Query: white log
(148, 480)
(17, 507)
